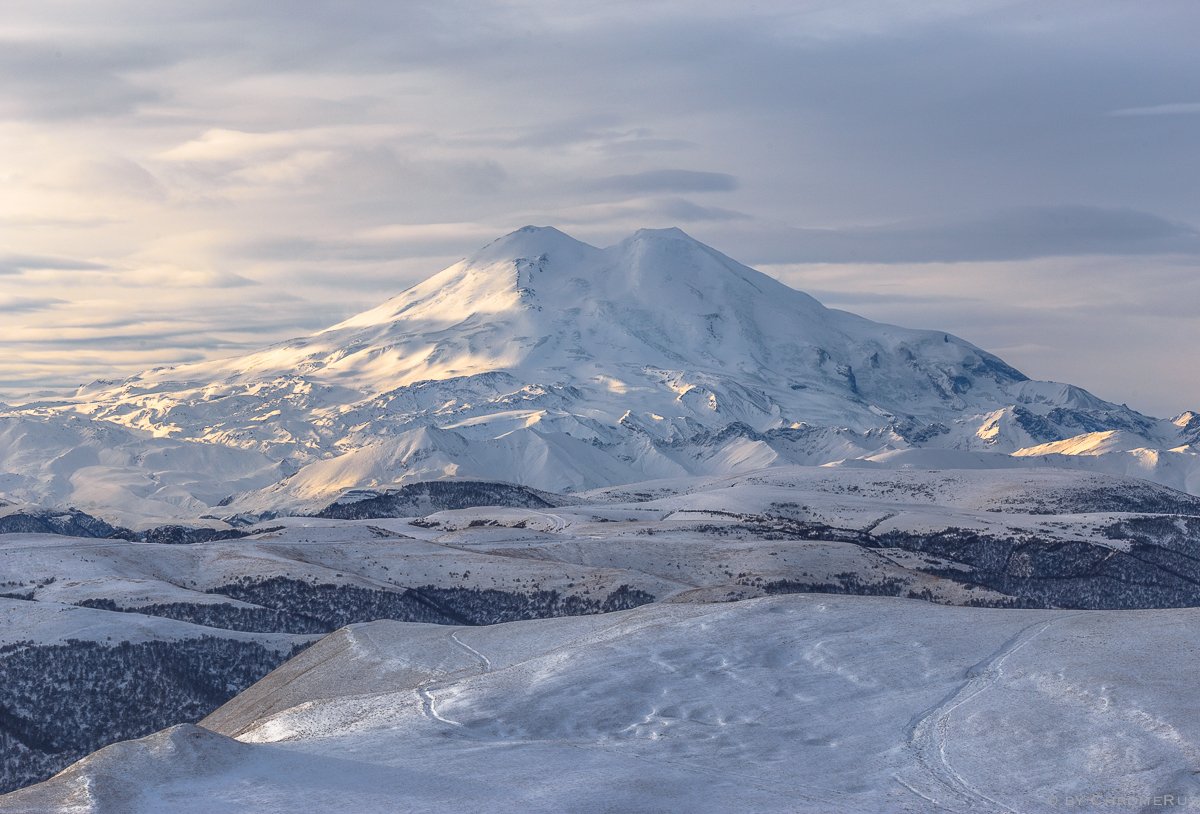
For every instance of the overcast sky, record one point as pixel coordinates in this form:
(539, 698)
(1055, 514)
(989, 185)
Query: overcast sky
(183, 180)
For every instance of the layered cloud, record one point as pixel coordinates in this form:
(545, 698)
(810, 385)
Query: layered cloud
(1013, 234)
(213, 176)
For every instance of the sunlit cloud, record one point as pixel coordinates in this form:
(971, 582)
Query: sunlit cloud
(233, 173)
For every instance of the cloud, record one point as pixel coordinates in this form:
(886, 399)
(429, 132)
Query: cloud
(681, 209)
(653, 181)
(162, 278)
(1174, 109)
(299, 248)
(335, 153)
(1014, 234)
(607, 133)
(22, 305)
(843, 299)
(113, 176)
(223, 145)
(20, 264)
(74, 77)
(606, 222)
(1123, 334)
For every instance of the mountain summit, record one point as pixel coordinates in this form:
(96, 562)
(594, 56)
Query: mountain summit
(543, 360)
(659, 313)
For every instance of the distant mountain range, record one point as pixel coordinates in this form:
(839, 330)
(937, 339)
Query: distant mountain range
(546, 362)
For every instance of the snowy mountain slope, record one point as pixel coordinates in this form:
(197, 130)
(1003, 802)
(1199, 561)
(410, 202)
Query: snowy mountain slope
(797, 703)
(545, 361)
(74, 679)
(23, 518)
(1043, 537)
(105, 639)
(659, 314)
(655, 424)
(1121, 453)
(341, 557)
(128, 476)
(1189, 427)
(46, 622)
(427, 497)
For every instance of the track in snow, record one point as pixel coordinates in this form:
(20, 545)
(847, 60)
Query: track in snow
(428, 702)
(484, 661)
(930, 733)
(557, 523)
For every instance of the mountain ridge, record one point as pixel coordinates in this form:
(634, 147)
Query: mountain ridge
(546, 361)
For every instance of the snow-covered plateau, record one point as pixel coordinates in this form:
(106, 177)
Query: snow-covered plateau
(624, 529)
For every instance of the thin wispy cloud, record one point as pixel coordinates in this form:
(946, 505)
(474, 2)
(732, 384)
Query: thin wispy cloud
(1174, 109)
(22, 263)
(1015, 234)
(667, 181)
(22, 305)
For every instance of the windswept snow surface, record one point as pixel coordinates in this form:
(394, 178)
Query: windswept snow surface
(1042, 537)
(791, 704)
(544, 361)
(130, 477)
(1045, 536)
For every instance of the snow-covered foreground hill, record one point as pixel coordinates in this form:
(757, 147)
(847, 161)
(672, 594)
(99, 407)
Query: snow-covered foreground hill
(544, 361)
(106, 638)
(791, 704)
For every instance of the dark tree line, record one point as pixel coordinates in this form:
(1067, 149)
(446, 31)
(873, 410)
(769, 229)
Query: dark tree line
(61, 702)
(423, 498)
(284, 605)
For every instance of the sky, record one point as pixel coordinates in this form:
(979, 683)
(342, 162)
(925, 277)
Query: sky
(184, 180)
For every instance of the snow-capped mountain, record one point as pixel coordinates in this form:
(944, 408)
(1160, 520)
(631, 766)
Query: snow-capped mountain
(127, 475)
(545, 361)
